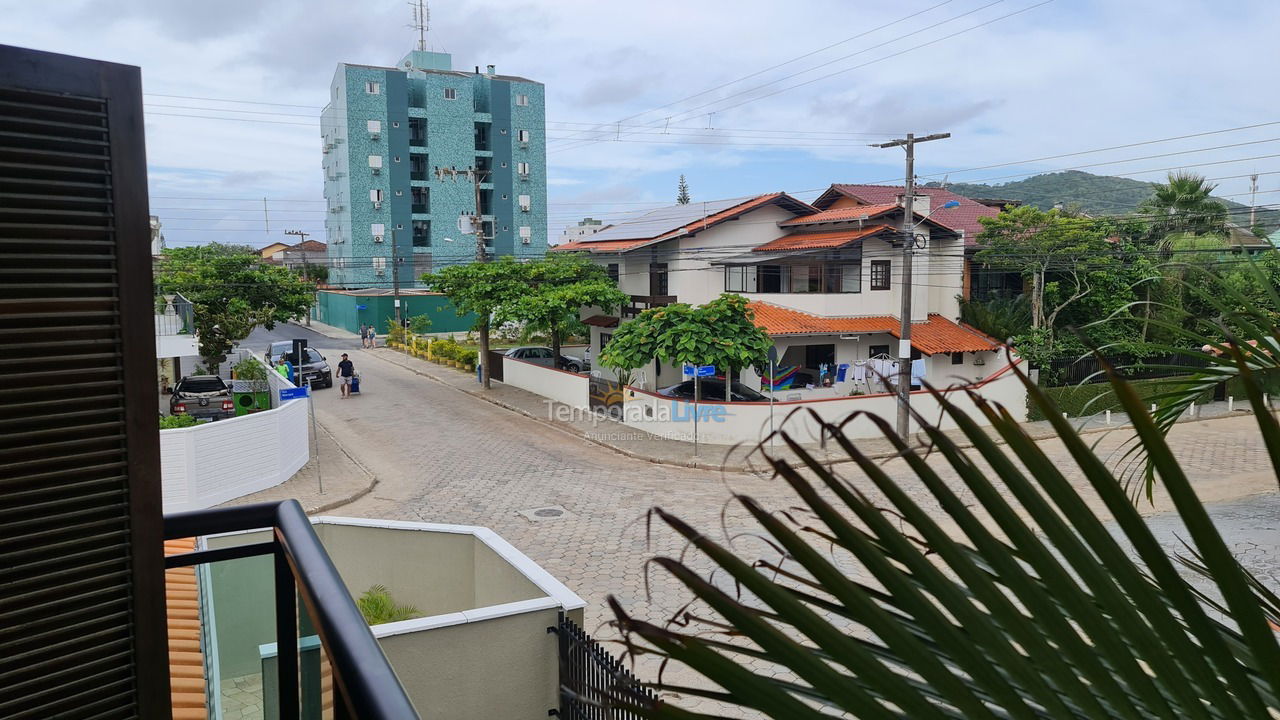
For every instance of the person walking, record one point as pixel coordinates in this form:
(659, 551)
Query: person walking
(346, 371)
(373, 337)
(364, 336)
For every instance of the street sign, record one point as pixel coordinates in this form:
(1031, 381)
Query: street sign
(296, 393)
(706, 370)
(362, 307)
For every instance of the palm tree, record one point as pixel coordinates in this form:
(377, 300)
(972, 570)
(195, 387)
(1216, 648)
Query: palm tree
(1030, 607)
(1184, 204)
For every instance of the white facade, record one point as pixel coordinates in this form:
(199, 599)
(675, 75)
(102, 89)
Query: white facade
(581, 229)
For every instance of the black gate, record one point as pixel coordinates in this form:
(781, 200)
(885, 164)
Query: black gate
(594, 685)
(495, 365)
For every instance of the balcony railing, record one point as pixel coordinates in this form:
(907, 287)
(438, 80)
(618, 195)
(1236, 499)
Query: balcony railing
(365, 686)
(640, 303)
(175, 316)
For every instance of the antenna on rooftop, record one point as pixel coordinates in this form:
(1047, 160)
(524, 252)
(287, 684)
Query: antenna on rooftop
(421, 20)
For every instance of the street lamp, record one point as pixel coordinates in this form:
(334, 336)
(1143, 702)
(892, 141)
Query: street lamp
(945, 206)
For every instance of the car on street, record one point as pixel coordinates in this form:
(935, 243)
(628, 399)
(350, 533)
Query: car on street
(713, 389)
(315, 371)
(540, 355)
(204, 397)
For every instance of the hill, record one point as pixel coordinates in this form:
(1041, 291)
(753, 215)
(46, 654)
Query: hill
(1095, 194)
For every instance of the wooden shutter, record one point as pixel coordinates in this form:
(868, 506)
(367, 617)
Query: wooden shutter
(81, 573)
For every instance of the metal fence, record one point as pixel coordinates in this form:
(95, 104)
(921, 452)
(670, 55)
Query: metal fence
(175, 316)
(1089, 369)
(594, 685)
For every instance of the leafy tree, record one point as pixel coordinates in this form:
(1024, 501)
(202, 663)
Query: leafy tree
(314, 272)
(720, 333)
(682, 191)
(561, 285)
(1059, 254)
(1001, 318)
(231, 293)
(378, 607)
(997, 591)
(1183, 204)
(482, 288)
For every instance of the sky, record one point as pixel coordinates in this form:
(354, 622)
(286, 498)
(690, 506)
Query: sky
(741, 96)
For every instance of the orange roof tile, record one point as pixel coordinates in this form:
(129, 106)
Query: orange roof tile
(842, 214)
(936, 335)
(186, 664)
(601, 246)
(808, 241)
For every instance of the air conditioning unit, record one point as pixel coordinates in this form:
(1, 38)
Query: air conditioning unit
(377, 238)
(526, 241)
(376, 171)
(375, 136)
(377, 204)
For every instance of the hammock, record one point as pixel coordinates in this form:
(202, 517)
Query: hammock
(783, 377)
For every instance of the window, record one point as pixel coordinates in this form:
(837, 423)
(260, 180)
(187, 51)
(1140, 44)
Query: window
(421, 199)
(880, 274)
(612, 270)
(396, 159)
(422, 233)
(373, 88)
(375, 127)
(450, 94)
(522, 168)
(525, 202)
(395, 124)
(878, 350)
(522, 100)
(773, 279)
(375, 195)
(740, 278)
(375, 161)
(843, 278)
(526, 233)
(806, 278)
(957, 358)
(379, 264)
(418, 131)
(604, 339)
(377, 230)
(522, 136)
(399, 193)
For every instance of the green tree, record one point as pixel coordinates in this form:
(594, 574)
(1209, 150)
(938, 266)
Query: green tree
(721, 333)
(314, 272)
(682, 191)
(1184, 205)
(997, 591)
(482, 288)
(231, 293)
(378, 607)
(1059, 254)
(561, 285)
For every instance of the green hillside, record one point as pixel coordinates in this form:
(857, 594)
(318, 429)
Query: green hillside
(1095, 194)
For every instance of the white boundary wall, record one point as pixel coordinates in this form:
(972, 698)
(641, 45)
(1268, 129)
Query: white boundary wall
(212, 463)
(561, 386)
(732, 423)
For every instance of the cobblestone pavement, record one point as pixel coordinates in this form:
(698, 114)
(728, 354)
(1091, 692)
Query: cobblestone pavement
(442, 456)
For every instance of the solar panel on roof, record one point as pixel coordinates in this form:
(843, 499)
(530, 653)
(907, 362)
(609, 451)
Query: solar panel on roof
(663, 220)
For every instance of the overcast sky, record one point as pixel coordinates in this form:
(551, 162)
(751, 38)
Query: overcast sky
(1059, 77)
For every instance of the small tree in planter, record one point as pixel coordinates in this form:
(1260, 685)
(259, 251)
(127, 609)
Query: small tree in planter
(254, 376)
(378, 607)
(481, 288)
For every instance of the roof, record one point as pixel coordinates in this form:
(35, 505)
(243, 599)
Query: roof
(603, 321)
(676, 221)
(842, 214)
(961, 219)
(308, 246)
(935, 335)
(820, 240)
(186, 663)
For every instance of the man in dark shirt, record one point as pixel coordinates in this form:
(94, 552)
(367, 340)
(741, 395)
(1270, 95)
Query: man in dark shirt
(345, 372)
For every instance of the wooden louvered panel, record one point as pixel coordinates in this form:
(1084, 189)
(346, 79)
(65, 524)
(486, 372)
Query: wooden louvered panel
(81, 582)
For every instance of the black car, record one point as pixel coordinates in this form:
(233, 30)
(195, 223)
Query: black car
(713, 389)
(315, 371)
(540, 355)
(203, 397)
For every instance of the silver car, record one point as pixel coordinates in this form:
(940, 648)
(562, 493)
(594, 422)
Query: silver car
(541, 355)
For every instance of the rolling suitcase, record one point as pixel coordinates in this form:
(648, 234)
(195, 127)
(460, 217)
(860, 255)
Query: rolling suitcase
(355, 384)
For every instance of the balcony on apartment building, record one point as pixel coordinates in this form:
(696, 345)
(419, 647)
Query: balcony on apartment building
(640, 303)
(175, 327)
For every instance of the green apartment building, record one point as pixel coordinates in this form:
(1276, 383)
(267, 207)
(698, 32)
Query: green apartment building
(387, 130)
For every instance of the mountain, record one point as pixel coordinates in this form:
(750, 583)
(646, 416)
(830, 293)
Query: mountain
(1095, 194)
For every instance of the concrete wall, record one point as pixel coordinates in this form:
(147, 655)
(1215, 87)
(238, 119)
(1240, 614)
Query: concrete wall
(503, 667)
(731, 423)
(212, 463)
(343, 311)
(561, 386)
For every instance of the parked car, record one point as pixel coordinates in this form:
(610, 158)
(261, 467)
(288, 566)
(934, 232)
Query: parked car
(315, 371)
(203, 397)
(542, 356)
(713, 389)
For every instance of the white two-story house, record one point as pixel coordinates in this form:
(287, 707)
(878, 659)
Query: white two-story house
(824, 280)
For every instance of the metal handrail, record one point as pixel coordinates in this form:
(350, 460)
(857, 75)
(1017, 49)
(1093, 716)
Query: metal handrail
(363, 677)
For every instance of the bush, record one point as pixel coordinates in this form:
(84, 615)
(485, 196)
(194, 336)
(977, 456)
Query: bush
(378, 607)
(173, 422)
(445, 348)
(468, 357)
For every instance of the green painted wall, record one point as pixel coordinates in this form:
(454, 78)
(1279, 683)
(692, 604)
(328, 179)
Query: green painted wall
(343, 311)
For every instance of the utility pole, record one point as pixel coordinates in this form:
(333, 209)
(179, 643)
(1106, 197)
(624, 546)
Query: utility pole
(475, 176)
(306, 269)
(395, 277)
(908, 245)
(1253, 201)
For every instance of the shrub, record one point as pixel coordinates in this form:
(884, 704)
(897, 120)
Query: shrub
(467, 356)
(173, 422)
(1093, 398)
(445, 348)
(378, 607)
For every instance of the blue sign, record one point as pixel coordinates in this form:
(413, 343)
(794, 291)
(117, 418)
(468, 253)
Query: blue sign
(362, 307)
(706, 370)
(293, 393)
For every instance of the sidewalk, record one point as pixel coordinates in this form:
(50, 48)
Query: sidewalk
(743, 458)
(329, 331)
(344, 480)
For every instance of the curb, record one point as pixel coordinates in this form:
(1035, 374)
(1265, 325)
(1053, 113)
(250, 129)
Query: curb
(354, 496)
(724, 467)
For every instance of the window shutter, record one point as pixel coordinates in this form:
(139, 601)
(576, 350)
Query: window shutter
(82, 629)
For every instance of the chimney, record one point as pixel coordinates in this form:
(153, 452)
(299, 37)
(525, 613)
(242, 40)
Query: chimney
(477, 69)
(491, 70)
(921, 204)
